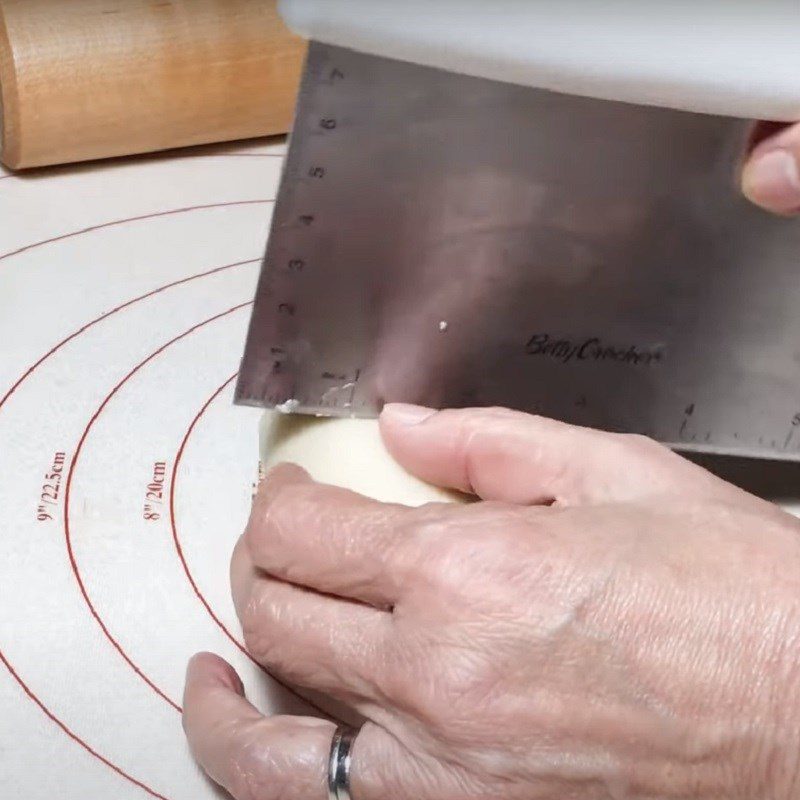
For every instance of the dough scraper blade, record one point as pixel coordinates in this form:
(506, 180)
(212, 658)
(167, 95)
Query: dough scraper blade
(453, 241)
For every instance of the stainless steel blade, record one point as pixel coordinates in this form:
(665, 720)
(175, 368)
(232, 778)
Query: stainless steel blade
(452, 241)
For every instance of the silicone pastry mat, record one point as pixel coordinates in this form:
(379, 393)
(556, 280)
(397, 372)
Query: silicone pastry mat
(127, 473)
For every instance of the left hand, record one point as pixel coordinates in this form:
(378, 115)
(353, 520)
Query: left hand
(771, 174)
(610, 621)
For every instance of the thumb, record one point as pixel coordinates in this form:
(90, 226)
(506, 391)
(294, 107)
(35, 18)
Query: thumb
(771, 173)
(505, 455)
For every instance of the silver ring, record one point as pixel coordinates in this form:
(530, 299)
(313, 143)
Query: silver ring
(339, 763)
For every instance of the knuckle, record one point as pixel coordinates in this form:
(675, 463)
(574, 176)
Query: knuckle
(258, 630)
(494, 413)
(445, 547)
(470, 421)
(486, 420)
(446, 694)
(427, 555)
(418, 528)
(641, 446)
(427, 525)
(437, 581)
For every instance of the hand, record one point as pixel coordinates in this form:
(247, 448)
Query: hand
(611, 621)
(771, 174)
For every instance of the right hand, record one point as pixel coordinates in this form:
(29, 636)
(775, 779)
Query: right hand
(610, 621)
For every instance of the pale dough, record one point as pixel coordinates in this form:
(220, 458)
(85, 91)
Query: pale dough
(347, 453)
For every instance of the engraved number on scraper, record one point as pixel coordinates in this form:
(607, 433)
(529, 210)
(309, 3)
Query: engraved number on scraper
(292, 262)
(792, 430)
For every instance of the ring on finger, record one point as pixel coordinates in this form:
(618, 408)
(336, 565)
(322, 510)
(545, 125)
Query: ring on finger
(339, 763)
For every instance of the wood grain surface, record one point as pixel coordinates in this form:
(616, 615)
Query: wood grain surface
(89, 79)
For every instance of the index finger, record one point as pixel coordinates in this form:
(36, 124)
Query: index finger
(325, 538)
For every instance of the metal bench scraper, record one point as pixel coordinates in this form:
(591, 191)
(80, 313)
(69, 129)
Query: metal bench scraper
(498, 229)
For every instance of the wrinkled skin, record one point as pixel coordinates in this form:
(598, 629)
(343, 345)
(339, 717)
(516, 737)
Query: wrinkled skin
(609, 621)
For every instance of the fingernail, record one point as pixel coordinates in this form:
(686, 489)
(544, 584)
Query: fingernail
(772, 180)
(407, 414)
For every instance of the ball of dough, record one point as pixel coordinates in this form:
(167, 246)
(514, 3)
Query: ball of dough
(347, 453)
